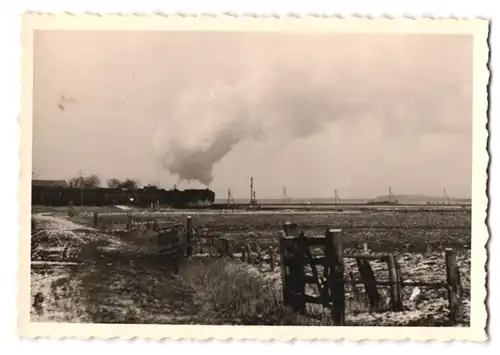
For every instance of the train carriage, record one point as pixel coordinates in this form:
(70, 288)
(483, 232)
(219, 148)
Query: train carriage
(63, 195)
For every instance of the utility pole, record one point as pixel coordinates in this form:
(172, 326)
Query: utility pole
(230, 199)
(445, 197)
(251, 190)
(81, 190)
(336, 199)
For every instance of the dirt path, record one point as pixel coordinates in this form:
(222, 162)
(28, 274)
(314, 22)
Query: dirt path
(80, 274)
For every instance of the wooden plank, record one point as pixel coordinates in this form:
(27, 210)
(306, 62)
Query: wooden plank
(452, 283)
(382, 256)
(369, 281)
(322, 260)
(434, 285)
(310, 279)
(312, 299)
(396, 303)
(312, 242)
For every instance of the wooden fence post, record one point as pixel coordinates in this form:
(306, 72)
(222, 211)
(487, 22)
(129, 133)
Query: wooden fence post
(452, 276)
(225, 248)
(334, 254)
(396, 303)
(284, 270)
(271, 257)
(292, 270)
(210, 247)
(244, 253)
(96, 219)
(298, 272)
(189, 247)
(129, 222)
(248, 252)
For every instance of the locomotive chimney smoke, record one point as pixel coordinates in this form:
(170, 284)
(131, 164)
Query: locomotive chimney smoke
(206, 123)
(290, 97)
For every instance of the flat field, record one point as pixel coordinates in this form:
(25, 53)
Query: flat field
(83, 274)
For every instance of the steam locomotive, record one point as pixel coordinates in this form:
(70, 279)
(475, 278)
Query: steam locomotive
(143, 197)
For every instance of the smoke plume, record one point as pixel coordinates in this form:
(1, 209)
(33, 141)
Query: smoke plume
(296, 96)
(207, 122)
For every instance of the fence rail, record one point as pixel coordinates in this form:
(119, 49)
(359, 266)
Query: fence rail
(349, 228)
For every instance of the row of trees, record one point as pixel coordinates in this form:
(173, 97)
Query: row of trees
(93, 181)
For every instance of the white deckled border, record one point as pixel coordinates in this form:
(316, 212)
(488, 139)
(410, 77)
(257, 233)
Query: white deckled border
(319, 23)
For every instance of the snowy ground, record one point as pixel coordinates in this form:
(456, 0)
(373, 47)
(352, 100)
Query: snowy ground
(429, 308)
(80, 274)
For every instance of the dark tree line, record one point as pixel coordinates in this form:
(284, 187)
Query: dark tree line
(93, 181)
(125, 184)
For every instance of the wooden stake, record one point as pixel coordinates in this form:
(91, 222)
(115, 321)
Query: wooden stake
(369, 281)
(271, 257)
(334, 254)
(189, 247)
(452, 276)
(284, 268)
(210, 247)
(396, 303)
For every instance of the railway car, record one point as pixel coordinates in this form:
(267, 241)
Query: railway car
(62, 196)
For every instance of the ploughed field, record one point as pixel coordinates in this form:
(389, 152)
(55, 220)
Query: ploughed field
(83, 274)
(406, 231)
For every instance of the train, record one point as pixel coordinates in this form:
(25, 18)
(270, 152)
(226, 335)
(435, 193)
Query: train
(142, 197)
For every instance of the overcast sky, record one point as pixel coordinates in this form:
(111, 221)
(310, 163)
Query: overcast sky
(312, 112)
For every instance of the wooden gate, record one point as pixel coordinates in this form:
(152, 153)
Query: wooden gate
(296, 257)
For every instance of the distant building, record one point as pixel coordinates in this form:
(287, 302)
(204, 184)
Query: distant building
(49, 183)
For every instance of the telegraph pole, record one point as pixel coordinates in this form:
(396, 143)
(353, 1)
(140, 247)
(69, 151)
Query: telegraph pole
(81, 190)
(251, 190)
(336, 199)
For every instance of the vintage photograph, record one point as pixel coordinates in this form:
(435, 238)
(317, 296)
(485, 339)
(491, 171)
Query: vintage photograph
(251, 175)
